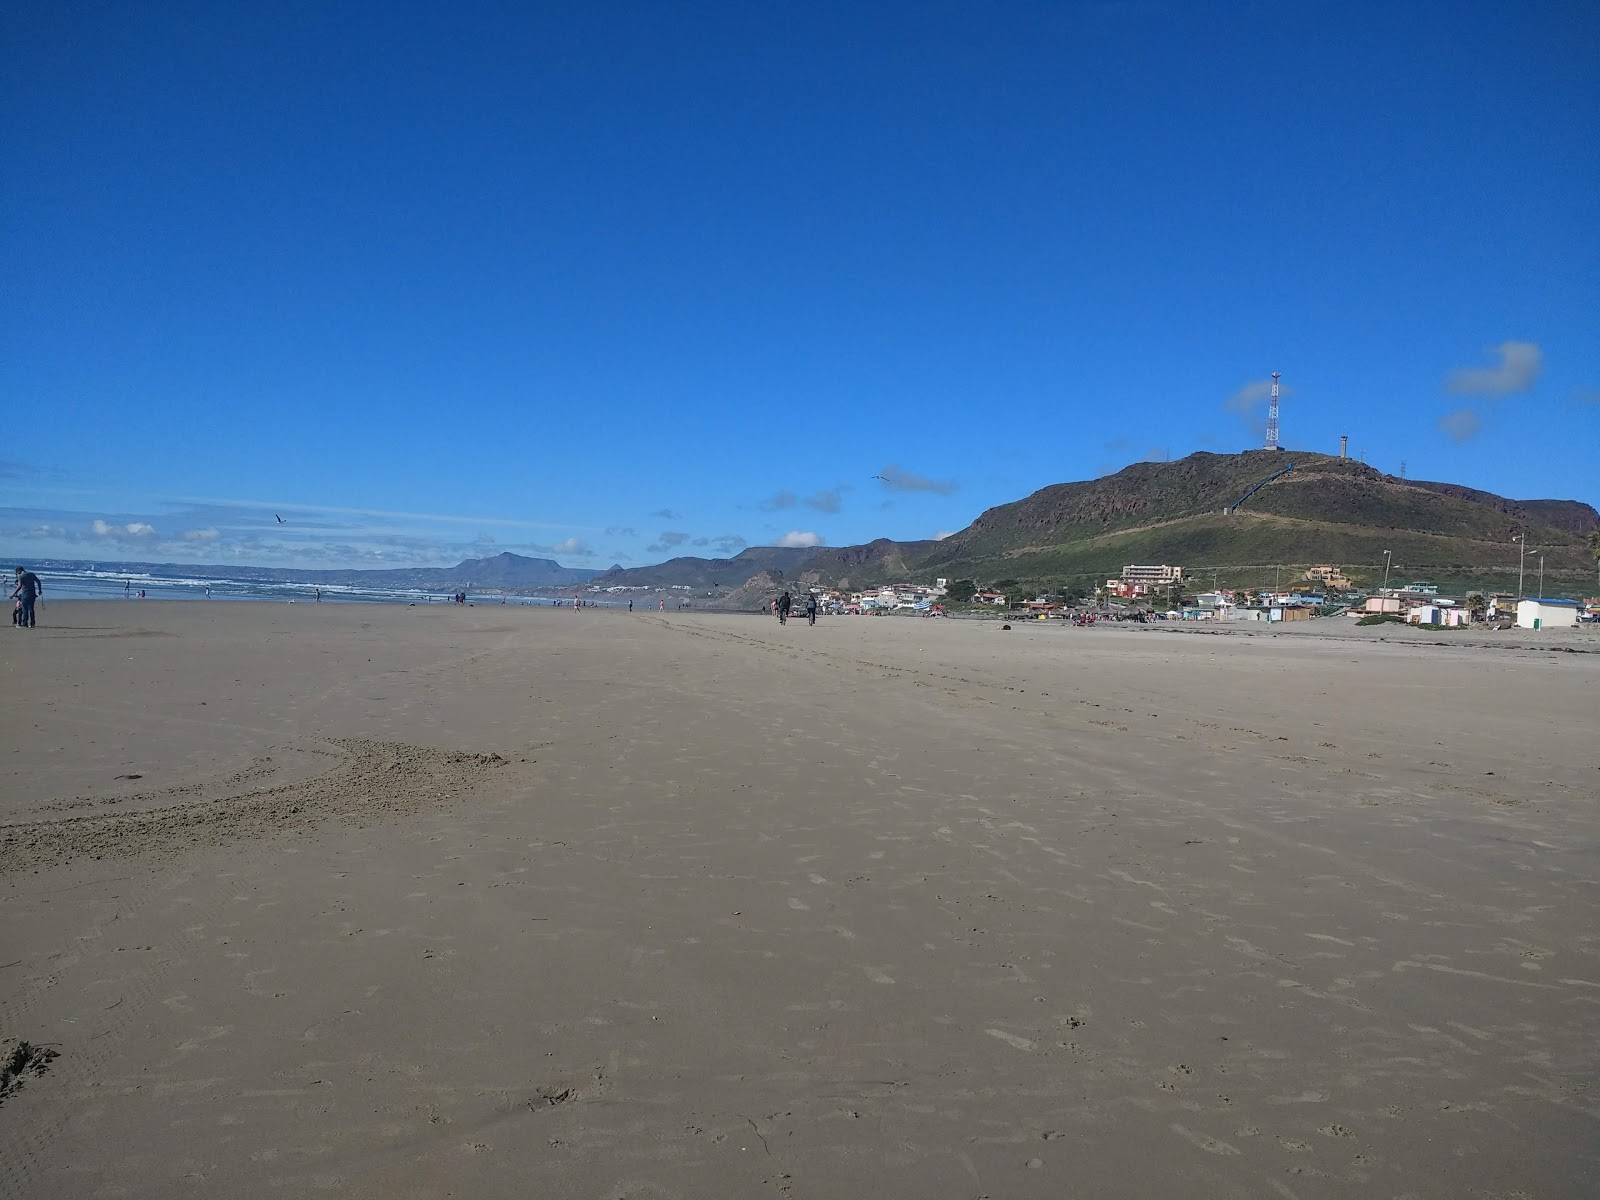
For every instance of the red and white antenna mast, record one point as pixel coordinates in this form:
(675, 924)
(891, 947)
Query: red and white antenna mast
(1272, 415)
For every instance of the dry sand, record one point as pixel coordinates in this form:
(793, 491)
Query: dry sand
(517, 902)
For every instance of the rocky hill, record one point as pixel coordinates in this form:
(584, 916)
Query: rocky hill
(1326, 510)
(858, 566)
(708, 573)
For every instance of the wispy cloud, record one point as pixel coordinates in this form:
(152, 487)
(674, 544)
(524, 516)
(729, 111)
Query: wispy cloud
(777, 501)
(667, 540)
(1587, 396)
(826, 501)
(798, 539)
(897, 480)
(666, 514)
(728, 543)
(1460, 425)
(200, 535)
(944, 533)
(387, 514)
(620, 531)
(1116, 444)
(1520, 364)
(1250, 403)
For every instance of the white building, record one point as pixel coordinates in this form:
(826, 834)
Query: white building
(1547, 614)
(1148, 575)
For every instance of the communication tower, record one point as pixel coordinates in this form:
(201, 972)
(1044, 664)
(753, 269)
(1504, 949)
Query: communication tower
(1272, 414)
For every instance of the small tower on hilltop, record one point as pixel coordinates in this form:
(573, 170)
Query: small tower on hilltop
(1272, 414)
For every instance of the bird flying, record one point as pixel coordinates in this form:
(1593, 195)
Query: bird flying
(280, 519)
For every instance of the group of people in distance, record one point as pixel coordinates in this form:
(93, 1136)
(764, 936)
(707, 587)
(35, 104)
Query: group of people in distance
(784, 605)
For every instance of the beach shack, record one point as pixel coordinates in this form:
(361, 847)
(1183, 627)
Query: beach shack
(1547, 614)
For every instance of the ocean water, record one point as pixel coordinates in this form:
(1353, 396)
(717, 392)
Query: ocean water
(89, 584)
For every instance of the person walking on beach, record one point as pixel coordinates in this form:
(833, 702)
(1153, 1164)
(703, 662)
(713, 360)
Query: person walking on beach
(27, 591)
(811, 608)
(785, 603)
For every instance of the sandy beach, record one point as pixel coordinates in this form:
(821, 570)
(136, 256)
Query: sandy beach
(379, 901)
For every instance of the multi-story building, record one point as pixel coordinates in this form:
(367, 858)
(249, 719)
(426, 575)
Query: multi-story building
(1152, 576)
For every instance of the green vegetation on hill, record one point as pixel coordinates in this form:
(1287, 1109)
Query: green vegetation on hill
(1327, 510)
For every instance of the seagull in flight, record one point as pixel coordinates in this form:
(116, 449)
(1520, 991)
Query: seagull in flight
(280, 519)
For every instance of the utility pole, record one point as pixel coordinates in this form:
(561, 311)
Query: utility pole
(1522, 545)
(1541, 574)
(1388, 558)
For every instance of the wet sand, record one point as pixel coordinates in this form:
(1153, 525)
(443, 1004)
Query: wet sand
(509, 902)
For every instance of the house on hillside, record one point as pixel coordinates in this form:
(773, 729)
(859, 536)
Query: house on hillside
(1331, 577)
(997, 598)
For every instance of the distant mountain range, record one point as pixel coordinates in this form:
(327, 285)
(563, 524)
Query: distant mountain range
(1327, 510)
(708, 573)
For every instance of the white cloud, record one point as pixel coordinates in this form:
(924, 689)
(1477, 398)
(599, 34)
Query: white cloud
(200, 535)
(571, 546)
(1520, 363)
(1461, 425)
(1251, 395)
(944, 533)
(796, 539)
(896, 480)
(131, 532)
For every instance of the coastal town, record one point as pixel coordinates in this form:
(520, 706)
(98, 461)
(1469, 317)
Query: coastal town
(1165, 592)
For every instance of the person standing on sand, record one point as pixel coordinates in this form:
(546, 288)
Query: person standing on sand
(785, 603)
(811, 607)
(28, 590)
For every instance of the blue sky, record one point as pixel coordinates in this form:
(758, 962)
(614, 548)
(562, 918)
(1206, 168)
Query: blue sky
(609, 282)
